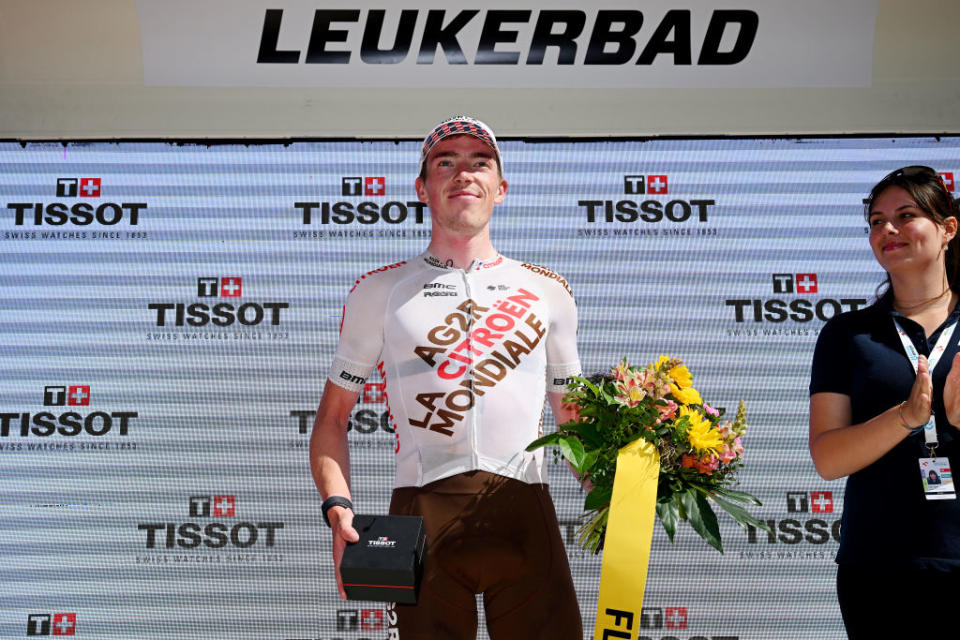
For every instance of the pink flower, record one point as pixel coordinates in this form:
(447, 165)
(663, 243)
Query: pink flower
(731, 452)
(710, 411)
(705, 466)
(727, 454)
(667, 412)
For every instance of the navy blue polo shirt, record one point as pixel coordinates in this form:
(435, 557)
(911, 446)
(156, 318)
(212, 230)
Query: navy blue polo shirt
(886, 518)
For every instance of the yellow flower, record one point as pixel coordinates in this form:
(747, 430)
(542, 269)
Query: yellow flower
(701, 434)
(681, 375)
(687, 395)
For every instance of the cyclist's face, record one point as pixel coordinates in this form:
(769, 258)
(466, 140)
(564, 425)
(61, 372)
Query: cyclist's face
(462, 184)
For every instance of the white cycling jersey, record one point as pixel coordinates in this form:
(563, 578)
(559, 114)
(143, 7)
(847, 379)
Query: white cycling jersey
(466, 356)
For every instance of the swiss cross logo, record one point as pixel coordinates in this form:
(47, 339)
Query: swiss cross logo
(231, 287)
(822, 501)
(657, 185)
(676, 617)
(805, 283)
(73, 396)
(218, 506)
(224, 506)
(79, 396)
(89, 187)
(64, 624)
(374, 393)
(948, 182)
(59, 624)
(375, 186)
(371, 620)
(224, 287)
(641, 184)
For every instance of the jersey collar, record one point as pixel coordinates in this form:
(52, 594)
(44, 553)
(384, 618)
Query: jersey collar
(476, 265)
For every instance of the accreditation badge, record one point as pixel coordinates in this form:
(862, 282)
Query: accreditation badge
(937, 479)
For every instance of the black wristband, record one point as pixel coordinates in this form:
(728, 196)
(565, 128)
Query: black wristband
(334, 501)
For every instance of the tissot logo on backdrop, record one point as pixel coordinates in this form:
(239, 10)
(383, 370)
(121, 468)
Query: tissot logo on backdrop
(809, 520)
(25, 424)
(75, 214)
(794, 303)
(223, 533)
(364, 420)
(671, 620)
(365, 212)
(219, 314)
(361, 620)
(57, 624)
(663, 216)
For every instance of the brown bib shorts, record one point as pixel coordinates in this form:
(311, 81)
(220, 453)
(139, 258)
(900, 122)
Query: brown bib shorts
(493, 535)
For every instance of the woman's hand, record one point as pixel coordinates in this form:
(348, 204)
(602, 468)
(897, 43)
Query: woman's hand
(951, 393)
(916, 411)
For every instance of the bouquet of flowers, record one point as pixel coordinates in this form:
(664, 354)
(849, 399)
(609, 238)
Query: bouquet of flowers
(700, 452)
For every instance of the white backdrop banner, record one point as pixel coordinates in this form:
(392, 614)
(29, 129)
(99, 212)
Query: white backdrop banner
(615, 44)
(169, 314)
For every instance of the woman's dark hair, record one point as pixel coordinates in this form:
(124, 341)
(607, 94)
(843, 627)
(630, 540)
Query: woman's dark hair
(927, 189)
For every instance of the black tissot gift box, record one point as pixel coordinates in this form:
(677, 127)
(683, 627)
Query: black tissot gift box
(386, 564)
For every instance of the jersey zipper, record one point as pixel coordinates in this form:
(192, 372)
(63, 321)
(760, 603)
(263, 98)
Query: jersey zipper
(472, 418)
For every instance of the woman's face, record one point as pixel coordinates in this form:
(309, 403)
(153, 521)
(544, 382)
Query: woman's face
(904, 238)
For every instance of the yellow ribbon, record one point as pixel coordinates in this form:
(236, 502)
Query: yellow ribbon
(626, 552)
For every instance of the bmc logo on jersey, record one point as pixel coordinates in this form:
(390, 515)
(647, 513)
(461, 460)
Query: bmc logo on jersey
(57, 624)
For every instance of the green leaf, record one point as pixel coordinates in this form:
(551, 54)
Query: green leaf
(701, 517)
(589, 460)
(669, 516)
(741, 515)
(587, 432)
(739, 496)
(547, 440)
(598, 498)
(588, 385)
(572, 450)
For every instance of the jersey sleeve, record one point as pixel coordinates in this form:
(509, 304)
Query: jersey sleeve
(361, 335)
(563, 360)
(831, 360)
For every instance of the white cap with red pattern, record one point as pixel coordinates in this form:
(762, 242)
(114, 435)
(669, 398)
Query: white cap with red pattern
(456, 126)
